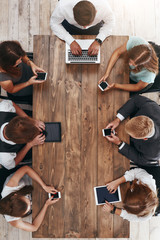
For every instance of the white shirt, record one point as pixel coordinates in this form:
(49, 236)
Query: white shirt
(64, 10)
(7, 159)
(7, 190)
(144, 177)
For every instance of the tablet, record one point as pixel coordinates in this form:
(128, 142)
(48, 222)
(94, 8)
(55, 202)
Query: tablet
(52, 132)
(101, 194)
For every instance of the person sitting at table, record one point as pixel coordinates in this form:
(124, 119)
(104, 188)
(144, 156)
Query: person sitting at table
(75, 17)
(143, 64)
(140, 200)
(143, 128)
(17, 129)
(16, 199)
(17, 72)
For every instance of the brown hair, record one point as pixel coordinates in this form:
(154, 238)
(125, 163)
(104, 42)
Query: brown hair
(10, 52)
(84, 13)
(140, 200)
(13, 204)
(21, 130)
(144, 56)
(139, 127)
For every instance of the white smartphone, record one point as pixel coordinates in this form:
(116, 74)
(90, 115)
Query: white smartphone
(103, 85)
(107, 132)
(41, 76)
(54, 195)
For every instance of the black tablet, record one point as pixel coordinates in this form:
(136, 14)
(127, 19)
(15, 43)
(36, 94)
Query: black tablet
(52, 132)
(102, 194)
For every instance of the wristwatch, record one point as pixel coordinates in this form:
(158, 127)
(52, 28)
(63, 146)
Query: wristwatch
(119, 145)
(113, 211)
(98, 40)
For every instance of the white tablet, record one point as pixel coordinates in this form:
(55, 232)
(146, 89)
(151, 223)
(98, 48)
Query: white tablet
(101, 194)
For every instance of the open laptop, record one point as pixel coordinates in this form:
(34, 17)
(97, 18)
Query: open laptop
(84, 58)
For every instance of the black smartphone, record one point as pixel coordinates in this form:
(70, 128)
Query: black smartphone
(103, 85)
(107, 132)
(55, 195)
(41, 76)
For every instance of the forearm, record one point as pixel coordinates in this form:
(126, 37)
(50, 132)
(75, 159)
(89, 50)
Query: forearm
(19, 111)
(128, 87)
(112, 62)
(118, 211)
(121, 180)
(39, 218)
(21, 154)
(18, 87)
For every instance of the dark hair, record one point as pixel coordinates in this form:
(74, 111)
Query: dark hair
(140, 200)
(144, 56)
(21, 130)
(10, 52)
(84, 13)
(13, 204)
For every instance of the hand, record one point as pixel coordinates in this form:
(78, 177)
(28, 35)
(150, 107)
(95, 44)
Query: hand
(40, 125)
(75, 48)
(93, 49)
(112, 186)
(103, 79)
(50, 201)
(38, 140)
(115, 123)
(32, 80)
(49, 189)
(35, 68)
(108, 207)
(114, 139)
(109, 87)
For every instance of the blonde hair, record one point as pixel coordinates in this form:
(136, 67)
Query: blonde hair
(144, 56)
(139, 127)
(140, 200)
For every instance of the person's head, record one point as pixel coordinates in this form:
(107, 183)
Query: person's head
(84, 13)
(143, 56)
(140, 127)
(16, 204)
(11, 53)
(21, 130)
(140, 200)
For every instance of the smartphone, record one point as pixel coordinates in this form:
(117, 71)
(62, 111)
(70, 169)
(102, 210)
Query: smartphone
(55, 195)
(103, 85)
(107, 132)
(41, 76)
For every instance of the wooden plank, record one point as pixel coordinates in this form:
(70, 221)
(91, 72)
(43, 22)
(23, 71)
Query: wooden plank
(4, 18)
(120, 74)
(13, 20)
(154, 229)
(73, 151)
(41, 58)
(89, 151)
(111, 164)
(23, 26)
(56, 163)
(44, 16)
(33, 22)
(3, 228)
(139, 231)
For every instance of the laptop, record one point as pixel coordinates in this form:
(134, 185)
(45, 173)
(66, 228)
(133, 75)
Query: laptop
(84, 58)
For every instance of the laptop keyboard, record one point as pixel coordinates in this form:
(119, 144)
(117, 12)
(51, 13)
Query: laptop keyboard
(82, 58)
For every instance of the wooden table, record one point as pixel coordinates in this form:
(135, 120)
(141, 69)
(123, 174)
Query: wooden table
(83, 159)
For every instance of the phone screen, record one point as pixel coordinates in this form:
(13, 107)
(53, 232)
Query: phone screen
(107, 132)
(55, 195)
(41, 76)
(103, 85)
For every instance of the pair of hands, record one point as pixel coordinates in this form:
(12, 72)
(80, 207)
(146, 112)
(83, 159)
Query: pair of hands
(39, 139)
(50, 189)
(103, 79)
(92, 50)
(112, 187)
(35, 69)
(113, 138)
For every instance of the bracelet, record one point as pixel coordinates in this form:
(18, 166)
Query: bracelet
(98, 40)
(119, 145)
(113, 211)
